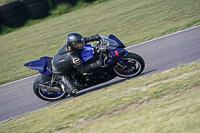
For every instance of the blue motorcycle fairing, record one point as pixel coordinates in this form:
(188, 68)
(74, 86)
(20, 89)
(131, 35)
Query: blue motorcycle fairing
(113, 37)
(116, 53)
(87, 53)
(40, 65)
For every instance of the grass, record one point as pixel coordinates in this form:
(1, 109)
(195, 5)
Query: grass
(132, 21)
(166, 102)
(61, 9)
(2, 2)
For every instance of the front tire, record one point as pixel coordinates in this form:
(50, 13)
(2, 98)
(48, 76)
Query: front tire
(130, 66)
(43, 94)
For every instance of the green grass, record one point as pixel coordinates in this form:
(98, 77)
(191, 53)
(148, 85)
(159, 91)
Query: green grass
(166, 102)
(133, 21)
(2, 2)
(61, 9)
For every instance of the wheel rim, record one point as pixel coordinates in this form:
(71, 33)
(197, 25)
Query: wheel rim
(50, 95)
(128, 67)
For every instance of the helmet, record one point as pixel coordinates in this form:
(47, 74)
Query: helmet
(76, 42)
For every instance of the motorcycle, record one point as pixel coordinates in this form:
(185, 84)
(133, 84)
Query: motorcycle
(117, 62)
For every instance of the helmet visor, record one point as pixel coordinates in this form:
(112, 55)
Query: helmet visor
(79, 45)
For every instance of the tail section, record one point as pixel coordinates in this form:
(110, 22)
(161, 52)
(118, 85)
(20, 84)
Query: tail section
(43, 65)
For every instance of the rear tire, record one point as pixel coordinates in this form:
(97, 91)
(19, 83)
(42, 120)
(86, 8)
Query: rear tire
(42, 94)
(130, 66)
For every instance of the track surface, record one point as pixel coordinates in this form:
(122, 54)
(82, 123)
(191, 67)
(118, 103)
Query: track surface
(160, 54)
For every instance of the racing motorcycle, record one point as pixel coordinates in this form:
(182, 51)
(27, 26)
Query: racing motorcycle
(117, 62)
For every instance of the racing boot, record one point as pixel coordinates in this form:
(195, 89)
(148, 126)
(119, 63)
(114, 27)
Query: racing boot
(67, 83)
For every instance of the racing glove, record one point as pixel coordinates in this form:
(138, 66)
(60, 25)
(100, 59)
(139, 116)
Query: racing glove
(92, 38)
(96, 37)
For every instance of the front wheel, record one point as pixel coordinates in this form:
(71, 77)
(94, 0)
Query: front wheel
(131, 65)
(44, 94)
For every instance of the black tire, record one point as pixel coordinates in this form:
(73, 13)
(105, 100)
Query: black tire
(37, 10)
(38, 14)
(38, 91)
(11, 13)
(0, 27)
(136, 63)
(71, 2)
(19, 24)
(10, 6)
(14, 20)
(27, 2)
(57, 1)
(37, 6)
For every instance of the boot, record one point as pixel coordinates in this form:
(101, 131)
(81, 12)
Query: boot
(66, 81)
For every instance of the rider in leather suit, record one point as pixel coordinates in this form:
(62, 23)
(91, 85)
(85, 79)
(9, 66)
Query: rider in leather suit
(67, 59)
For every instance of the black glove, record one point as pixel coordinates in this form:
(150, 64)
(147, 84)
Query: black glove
(96, 37)
(92, 38)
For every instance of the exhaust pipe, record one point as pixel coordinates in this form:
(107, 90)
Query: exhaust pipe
(46, 87)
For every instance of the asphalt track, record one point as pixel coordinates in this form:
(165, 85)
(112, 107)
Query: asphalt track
(161, 54)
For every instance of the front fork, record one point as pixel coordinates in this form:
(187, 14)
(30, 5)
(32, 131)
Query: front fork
(119, 63)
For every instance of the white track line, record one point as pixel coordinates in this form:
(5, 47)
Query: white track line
(19, 80)
(127, 47)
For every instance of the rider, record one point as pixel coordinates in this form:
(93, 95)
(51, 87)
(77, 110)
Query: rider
(68, 59)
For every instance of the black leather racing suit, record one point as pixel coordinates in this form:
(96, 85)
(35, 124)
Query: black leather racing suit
(65, 61)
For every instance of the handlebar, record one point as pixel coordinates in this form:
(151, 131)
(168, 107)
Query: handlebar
(103, 52)
(102, 47)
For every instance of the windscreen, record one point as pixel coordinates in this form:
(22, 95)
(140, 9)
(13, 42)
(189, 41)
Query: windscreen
(108, 42)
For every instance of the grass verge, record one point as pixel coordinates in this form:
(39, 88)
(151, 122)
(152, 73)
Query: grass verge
(166, 102)
(132, 21)
(2, 2)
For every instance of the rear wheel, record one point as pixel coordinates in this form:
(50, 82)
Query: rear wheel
(44, 94)
(130, 66)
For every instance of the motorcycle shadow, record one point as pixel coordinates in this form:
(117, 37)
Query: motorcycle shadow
(114, 81)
